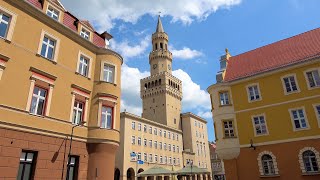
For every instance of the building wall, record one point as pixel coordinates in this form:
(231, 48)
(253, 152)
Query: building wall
(22, 52)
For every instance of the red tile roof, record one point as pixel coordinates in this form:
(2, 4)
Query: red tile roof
(286, 52)
(70, 21)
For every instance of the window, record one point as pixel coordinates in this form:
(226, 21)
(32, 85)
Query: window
(78, 112)
(260, 125)
(160, 132)
(38, 101)
(224, 99)
(165, 159)
(53, 13)
(299, 119)
(150, 130)
(178, 149)
(195, 123)
(150, 143)
(161, 159)
(164, 133)
(317, 110)
(72, 169)
(267, 164)
(169, 147)
(313, 78)
(85, 34)
(139, 141)
(106, 117)
(169, 135)
(155, 131)
(169, 160)
(175, 121)
(139, 126)
(160, 145)
(177, 137)
(133, 125)
(164, 146)
(228, 129)
(174, 161)
(173, 137)
(155, 158)
(290, 84)
(48, 47)
(150, 158)
(4, 24)
(139, 156)
(145, 157)
(155, 144)
(173, 148)
(145, 142)
(145, 128)
(253, 93)
(83, 68)
(108, 73)
(133, 140)
(310, 161)
(27, 165)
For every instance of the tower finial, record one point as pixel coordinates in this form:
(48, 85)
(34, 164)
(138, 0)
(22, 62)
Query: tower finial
(159, 25)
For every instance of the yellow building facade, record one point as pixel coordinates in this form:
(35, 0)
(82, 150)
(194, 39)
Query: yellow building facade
(266, 110)
(57, 76)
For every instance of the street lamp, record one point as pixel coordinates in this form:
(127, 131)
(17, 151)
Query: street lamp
(69, 154)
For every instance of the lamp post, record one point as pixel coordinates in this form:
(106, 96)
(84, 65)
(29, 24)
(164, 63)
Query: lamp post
(69, 154)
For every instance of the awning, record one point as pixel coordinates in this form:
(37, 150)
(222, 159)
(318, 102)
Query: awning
(191, 170)
(155, 170)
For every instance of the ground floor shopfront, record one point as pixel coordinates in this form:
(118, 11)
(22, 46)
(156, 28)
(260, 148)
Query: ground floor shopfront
(297, 160)
(37, 156)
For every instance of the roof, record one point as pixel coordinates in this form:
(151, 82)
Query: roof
(70, 21)
(191, 170)
(159, 25)
(155, 170)
(296, 49)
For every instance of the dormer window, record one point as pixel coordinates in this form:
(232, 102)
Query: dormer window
(53, 13)
(85, 34)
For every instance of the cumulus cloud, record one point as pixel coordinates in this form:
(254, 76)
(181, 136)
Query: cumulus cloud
(127, 50)
(186, 53)
(194, 98)
(104, 12)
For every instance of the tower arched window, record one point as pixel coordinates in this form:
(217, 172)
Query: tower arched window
(161, 45)
(148, 84)
(145, 86)
(156, 46)
(156, 82)
(152, 84)
(159, 81)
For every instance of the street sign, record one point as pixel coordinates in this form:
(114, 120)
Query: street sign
(140, 162)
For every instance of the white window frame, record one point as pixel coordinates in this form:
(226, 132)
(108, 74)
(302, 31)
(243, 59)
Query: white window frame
(56, 49)
(103, 63)
(254, 125)
(83, 33)
(249, 95)
(53, 12)
(284, 85)
(150, 143)
(307, 79)
(145, 142)
(77, 109)
(301, 161)
(139, 141)
(11, 24)
(223, 102)
(89, 58)
(305, 117)
(139, 126)
(39, 97)
(316, 113)
(274, 161)
(106, 115)
(133, 125)
(233, 128)
(133, 140)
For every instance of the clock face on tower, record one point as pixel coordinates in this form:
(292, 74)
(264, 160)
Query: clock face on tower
(169, 67)
(154, 66)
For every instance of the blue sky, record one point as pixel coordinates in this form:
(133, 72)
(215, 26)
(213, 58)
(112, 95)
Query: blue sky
(198, 35)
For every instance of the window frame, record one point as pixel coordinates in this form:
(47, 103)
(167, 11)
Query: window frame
(302, 162)
(11, 24)
(248, 92)
(33, 163)
(45, 100)
(305, 117)
(76, 167)
(133, 140)
(284, 85)
(274, 162)
(316, 113)
(114, 80)
(83, 110)
(82, 28)
(112, 116)
(89, 70)
(54, 9)
(56, 49)
(307, 79)
(229, 99)
(254, 125)
(234, 128)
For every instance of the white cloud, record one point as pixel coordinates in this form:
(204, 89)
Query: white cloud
(104, 12)
(185, 53)
(128, 51)
(194, 98)
(205, 114)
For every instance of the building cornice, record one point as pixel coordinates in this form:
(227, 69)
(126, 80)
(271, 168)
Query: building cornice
(61, 28)
(189, 114)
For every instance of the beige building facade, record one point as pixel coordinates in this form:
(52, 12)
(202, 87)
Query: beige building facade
(162, 136)
(57, 76)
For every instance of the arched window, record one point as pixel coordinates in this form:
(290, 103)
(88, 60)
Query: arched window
(145, 86)
(159, 81)
(152, 84)
(156, 45)
(267, 164)
(309, 160)
(149, 85)
(161, 46)
(156, 82)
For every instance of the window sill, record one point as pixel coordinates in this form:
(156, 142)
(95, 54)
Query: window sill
(101, 81)
(234, 137)
(269, 176)
(37, 115)
(292, 92)
(255, 100)
(50, 60)
(312, 88)
(311, 173)
(225, 105)
(82, 75)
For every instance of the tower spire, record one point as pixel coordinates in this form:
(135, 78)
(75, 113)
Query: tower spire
(159, 25)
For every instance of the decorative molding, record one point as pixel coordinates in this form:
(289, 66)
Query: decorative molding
(301, 162)
(274, 161)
